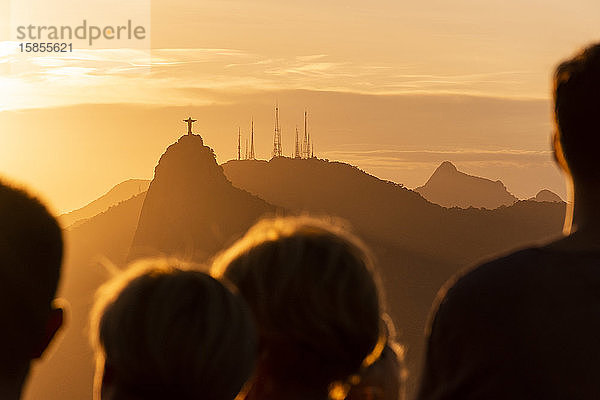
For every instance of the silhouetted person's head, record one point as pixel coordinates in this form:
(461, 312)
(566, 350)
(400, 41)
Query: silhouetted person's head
(30, 259)
(161, 332)
(312, 290)
(577, 101)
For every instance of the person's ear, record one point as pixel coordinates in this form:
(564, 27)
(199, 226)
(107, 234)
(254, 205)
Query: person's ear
(53, 324)
(559, 155)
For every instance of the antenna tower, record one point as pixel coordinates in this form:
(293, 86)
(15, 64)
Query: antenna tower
(277, 152)
(306, 141)
(297, 152)
(252, 155)
(239, 144)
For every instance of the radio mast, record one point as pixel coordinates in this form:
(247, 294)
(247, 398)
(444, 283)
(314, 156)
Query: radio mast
(277, 151)
(239, 144)
(305, 140)
(297, 151)
(252, 155)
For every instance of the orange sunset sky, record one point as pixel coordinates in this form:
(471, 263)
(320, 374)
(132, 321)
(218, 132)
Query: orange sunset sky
(394, 87)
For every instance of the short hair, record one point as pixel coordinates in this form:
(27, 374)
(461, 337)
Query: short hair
(576, 105)
(169, 332)
(313, 291)
(31, 250)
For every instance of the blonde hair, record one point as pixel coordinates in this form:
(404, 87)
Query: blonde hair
(313, 291)
(166, 331)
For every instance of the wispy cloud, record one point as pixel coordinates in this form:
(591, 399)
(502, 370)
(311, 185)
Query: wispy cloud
(311, 57)
(396, 158)
(435, 154)
(160, 76)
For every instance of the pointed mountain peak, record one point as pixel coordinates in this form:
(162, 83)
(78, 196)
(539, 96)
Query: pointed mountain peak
(446, 167)
(191, 138)
(450, 187)
(191, 209)
(189, 141)
(189, 160)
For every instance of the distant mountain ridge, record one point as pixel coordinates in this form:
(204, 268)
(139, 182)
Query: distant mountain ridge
(449, 187)
(121, 192)
(127, 189)
(382, 209)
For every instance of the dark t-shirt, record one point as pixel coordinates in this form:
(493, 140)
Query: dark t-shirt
(526, 326)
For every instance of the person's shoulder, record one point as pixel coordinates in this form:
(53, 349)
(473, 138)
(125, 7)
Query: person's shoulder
(490, 283)
(497, 271)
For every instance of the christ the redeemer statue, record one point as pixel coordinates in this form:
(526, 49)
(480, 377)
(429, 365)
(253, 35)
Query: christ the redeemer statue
(190, 121)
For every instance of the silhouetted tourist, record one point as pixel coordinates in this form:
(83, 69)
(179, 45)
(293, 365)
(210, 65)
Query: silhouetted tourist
(161, 332)
(30, 259)
(313, 293)
(527, 326)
